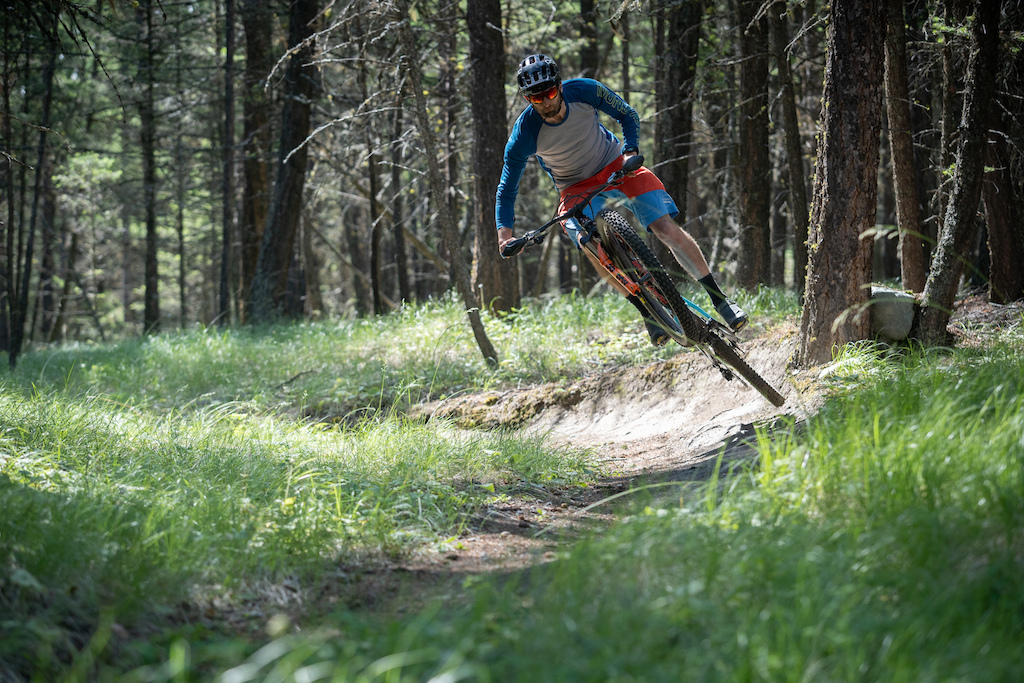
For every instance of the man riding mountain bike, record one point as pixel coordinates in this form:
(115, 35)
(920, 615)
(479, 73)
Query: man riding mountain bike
(561, 128)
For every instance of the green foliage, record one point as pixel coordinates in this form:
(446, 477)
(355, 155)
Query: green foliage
(133, 482)
(877, 541)
(341, 371)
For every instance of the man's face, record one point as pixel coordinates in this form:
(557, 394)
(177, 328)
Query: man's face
(548, 103)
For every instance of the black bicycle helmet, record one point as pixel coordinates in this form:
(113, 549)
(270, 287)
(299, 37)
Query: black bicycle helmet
(536, 74)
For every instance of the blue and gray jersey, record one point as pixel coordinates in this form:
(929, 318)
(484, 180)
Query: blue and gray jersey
(570, 151)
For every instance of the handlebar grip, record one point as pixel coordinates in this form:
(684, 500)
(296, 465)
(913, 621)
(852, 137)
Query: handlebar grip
(513, 247)
(633, 163)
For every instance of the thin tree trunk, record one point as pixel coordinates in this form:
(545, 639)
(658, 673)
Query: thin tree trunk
(627, 84)
(46, 301)
(398, 206)
(754, 265)
(679, 27)
(228, 179)
(7, 262)
(901, 143)
(959, 226)
(1003, 193)
(796, 182)
(449, 233)
(495, 277)
(19, 313)
(590, 56)
(314, 294)
(362, 285)
(147, 133)
(180, 233)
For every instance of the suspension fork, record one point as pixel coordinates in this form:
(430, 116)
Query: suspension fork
(627, 285)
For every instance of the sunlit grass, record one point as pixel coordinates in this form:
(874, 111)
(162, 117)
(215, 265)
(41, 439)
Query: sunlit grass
(111, 509)
(345, 369)
(879, 541)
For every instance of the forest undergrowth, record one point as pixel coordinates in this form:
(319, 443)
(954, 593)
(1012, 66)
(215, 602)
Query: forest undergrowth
(161, 496)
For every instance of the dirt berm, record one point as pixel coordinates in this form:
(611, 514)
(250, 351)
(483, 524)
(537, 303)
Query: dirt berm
(659, 417)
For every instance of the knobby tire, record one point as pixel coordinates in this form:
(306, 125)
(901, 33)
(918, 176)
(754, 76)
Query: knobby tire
(639, 259)
(628, 246)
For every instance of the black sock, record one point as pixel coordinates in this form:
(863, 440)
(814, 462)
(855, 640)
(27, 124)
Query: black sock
(712, 289)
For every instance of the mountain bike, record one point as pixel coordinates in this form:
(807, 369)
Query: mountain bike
(620, 251)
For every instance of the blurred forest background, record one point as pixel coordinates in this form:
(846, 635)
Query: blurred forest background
(168, 163)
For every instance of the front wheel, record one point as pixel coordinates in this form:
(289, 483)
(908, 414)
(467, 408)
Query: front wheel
(728, 354)
(633, 257)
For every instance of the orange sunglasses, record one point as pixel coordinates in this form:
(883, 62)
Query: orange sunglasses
(540, 97)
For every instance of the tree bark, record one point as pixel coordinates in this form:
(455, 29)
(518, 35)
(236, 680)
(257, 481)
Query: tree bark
(678, 39)
(269, 285)
(590, 55)
(147, 144)
(460, 272)
(228, 171)
(495, 277)
(1003, 194)
(845, 189)
(908, 203)
(1004, 207)
(754, 264)
(796, 184)
(398, 205)
(256, 21)
(959, 226)
(359, 261)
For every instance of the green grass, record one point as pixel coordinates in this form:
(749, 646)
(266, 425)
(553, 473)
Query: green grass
(880, 541)
(143, 480)
(342, 370)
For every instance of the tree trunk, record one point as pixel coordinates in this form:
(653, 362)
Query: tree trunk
(754, 264)
(147, 146)
(256, 21)
(590, 56)
(398, 206)
(627, 84)
(373, 182)
(1003, 193)
(679, 26)
(901, 144)
(495, 277)
(269, 285)
(311, 259)
(796, 183)
(954, 13)
(959, 226)
(9, 259)
(361, 284)
(228, 171)
(449, 232)
(47, 300)
(845, 181)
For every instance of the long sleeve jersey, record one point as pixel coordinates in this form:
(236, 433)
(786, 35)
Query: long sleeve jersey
(570, 151)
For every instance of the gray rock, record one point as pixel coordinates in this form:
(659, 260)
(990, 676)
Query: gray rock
(892, 313)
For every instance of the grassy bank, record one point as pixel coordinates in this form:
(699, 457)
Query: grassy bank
(145, 482)
(879, 542)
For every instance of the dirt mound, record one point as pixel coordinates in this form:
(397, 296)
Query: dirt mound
(663, 415)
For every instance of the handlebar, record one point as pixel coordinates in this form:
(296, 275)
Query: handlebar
(513, 247)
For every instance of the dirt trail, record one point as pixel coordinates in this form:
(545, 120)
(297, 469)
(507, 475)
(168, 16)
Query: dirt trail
(667, 420)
